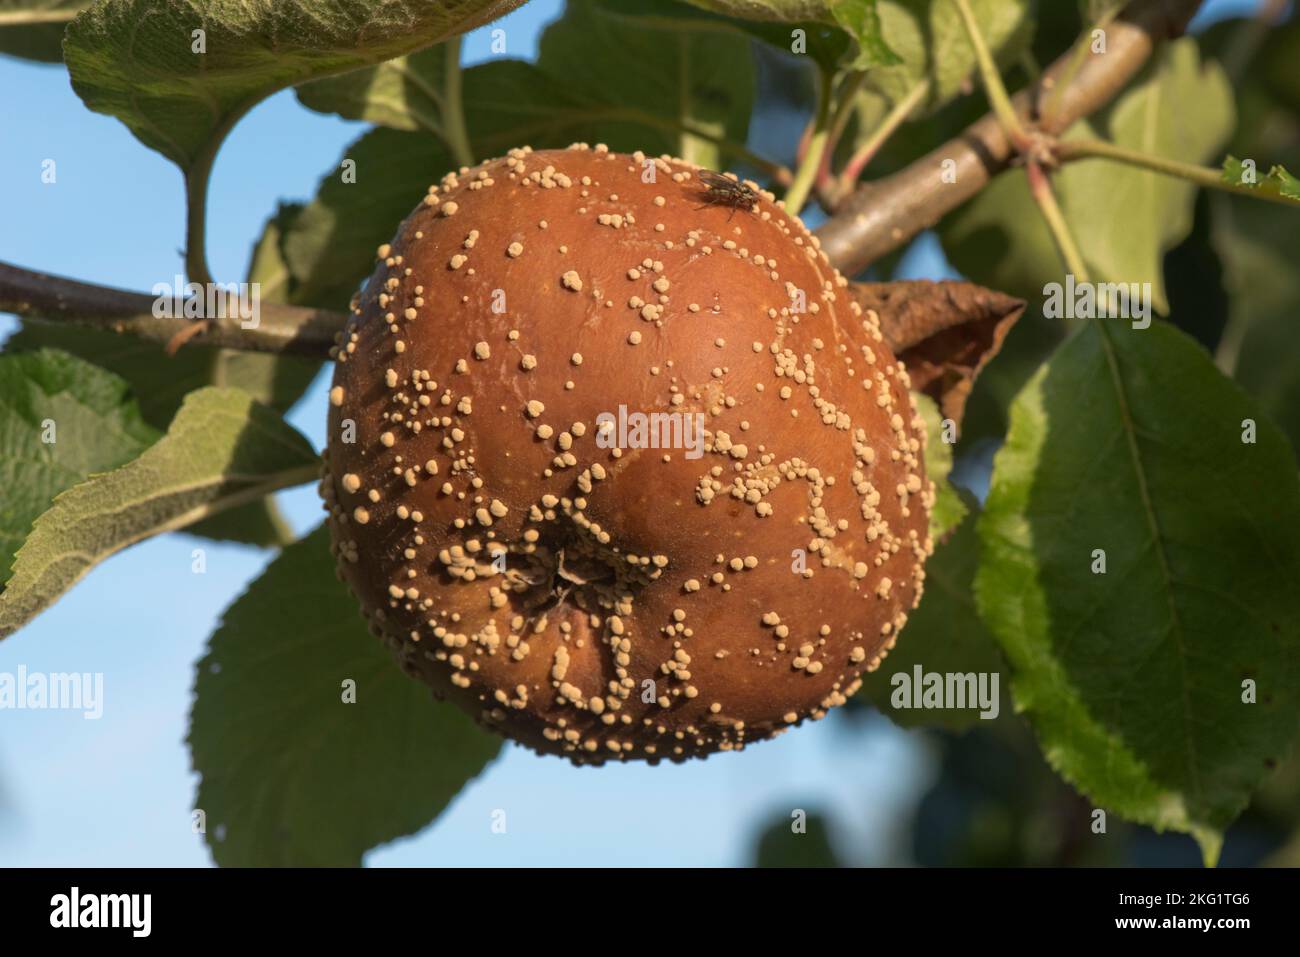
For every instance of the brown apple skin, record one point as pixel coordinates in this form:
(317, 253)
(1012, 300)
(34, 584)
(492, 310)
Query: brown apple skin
(605, 602)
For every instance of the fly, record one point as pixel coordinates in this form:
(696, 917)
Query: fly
(722, 190)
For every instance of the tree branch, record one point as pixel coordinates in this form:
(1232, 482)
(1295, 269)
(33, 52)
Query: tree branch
(883, 215)
(287, 329)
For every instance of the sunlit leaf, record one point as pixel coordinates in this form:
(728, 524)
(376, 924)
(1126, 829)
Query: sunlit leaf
(223, 450)
(1130, 452)
(61, 421)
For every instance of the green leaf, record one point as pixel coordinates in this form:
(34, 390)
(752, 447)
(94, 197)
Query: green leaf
(33, 29)
(507, 103)
(861, 20)
(943, 635)
(1256, 242)
(404, 93)
(1278, 182)
(61, 420)
(275, 381)
(223, 449)
(1131, 442)
(999, 239)
(931, 43)
(788, 27)
(1026, 347)
(330, 246)
(136, 59)
(160, 381)
(948, 509)
(266, 264)
(604, 73)
(1262, 277)
(773, 22)
(646, 80)
(290, 774)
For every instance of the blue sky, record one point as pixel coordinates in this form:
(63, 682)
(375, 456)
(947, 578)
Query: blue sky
(118, 791)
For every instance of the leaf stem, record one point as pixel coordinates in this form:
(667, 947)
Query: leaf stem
(848, 92)
(1040, 187)
(999, 99)
(196, 204)
(1068, 150)
(453, 113)
(806, 174)
(197, 175)
(865, 153)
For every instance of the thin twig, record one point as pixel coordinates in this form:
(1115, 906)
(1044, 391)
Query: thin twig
(806, 174)
(1068, 150)
(848, 93)
(39, 296)
(989, 75)
(454, 129)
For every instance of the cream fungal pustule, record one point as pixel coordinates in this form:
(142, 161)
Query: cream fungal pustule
(606, 596)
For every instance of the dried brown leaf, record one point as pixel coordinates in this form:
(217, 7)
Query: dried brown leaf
(943, 332)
